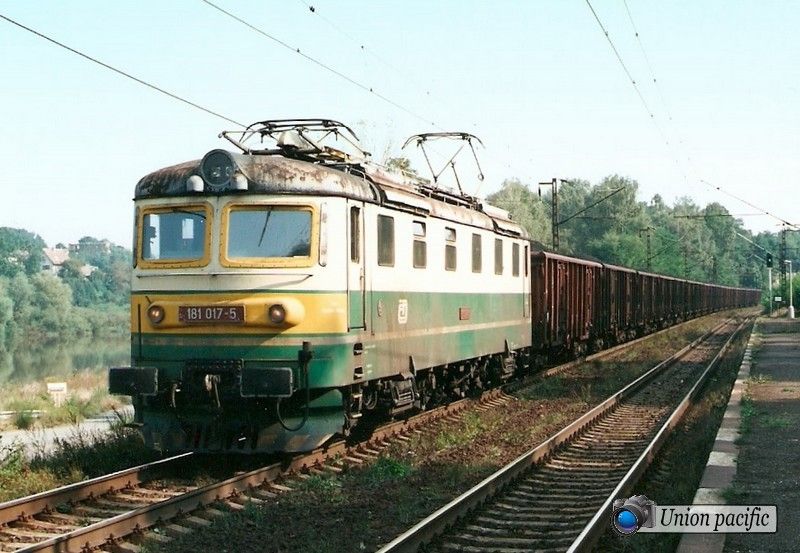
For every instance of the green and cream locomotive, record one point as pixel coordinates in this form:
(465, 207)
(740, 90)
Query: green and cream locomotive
(280, 294)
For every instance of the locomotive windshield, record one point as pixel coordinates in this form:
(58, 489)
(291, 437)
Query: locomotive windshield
(269, 232)
(174, 235)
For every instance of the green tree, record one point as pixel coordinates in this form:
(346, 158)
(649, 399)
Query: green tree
(52, 315)
(21, 293)
(6, 316)
(525, 207)
(20, 252)
(109, 283)
(401, 164)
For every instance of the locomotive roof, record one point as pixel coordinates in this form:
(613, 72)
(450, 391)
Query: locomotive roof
(280, 175)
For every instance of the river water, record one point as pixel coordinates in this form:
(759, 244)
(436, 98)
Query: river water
(35, 362)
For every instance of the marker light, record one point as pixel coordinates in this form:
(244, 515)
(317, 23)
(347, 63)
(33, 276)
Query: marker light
(239, 181)
(155, 313)
(276, 313)
(194, 184)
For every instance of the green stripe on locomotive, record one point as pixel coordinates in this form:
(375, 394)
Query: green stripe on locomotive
(439, 328)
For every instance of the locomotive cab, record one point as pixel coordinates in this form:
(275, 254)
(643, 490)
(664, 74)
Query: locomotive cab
(237, 293)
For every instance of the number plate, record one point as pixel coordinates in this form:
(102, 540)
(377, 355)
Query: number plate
(202, 314)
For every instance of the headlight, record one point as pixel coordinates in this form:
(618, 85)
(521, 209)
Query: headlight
(276, 313)
(155, 313)
(217, 168)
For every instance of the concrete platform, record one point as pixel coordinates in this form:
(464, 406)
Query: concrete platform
(756, 455)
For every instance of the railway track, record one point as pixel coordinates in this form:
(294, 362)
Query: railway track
(557, 496)
(103, 512)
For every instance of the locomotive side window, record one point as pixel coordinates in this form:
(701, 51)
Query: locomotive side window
(385, 241)
(420, 247)
(355, 234)
(515, 259)
(526, 260)
(477, 261)
(259, 232)
(174, 235)
(450, 253)
(498, 256)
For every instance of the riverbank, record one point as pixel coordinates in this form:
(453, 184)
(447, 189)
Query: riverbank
(29, 405)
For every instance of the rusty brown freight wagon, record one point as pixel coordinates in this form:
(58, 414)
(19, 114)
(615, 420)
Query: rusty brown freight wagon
(563, 295)
(581, 306)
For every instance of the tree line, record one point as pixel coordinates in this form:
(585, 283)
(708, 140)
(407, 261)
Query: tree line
(606, 222)
(38, 306)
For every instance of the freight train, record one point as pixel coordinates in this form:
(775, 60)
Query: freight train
(283, 292)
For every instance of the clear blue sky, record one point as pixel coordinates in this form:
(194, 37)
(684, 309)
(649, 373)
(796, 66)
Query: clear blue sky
(535, 80)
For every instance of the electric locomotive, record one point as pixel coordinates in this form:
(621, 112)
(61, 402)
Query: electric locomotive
(280, 293)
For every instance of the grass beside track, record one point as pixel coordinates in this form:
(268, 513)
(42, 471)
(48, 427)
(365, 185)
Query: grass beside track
(364, 507)
(80, 457)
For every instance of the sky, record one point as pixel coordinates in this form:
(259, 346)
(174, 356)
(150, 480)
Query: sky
(536, 81)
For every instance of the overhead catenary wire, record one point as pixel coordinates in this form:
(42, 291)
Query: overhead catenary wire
(656, 83)
(635, 85)
(647, 61)
(314, 10)
(121, 72)
(623, 65)
(619, 58)
(319, 63)
(749, 203)
(705, 215)
(591, 205)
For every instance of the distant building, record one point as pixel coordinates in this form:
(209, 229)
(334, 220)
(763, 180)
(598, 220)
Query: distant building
(54, 259)
(91, 247)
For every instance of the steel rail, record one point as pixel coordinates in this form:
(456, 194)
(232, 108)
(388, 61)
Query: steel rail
(24, 507)
(591, 532)
(444, 517)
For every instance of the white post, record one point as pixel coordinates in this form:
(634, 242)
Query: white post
(769, 277)
(791, 305)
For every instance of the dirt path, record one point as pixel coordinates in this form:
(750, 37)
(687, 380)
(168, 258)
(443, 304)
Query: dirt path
(42, 440)
(769, 460)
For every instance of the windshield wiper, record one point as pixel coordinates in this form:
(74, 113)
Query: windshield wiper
(263, 230)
